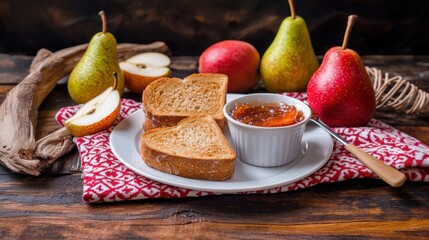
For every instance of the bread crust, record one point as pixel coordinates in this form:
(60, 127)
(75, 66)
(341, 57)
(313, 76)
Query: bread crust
(214, 170)
(152, 121)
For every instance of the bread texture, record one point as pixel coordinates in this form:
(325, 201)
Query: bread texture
(195, 148)
(166, 101)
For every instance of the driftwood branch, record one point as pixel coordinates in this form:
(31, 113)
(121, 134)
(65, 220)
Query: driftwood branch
(19, 150)
(54, 145)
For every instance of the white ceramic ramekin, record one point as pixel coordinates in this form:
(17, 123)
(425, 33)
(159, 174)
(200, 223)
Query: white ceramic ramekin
(266, 146)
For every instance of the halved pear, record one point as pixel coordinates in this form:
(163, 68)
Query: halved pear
(144, 68)
(150, 59)
(96, 115)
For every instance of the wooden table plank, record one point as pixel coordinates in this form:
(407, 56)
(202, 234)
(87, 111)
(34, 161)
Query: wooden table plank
(13, 68)
(359, 208)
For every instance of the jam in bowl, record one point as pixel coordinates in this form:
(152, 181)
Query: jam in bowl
(267, 115)
(266, 129)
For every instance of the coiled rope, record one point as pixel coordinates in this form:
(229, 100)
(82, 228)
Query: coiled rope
(396, 93)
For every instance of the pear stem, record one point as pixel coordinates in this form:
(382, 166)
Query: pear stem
(351, 21)
(103, 21)
(115, 80)
(292, 9)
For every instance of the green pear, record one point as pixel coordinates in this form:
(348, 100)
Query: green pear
(93, 73)
(290, 61)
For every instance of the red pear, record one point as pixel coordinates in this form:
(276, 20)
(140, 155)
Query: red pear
(340, 92)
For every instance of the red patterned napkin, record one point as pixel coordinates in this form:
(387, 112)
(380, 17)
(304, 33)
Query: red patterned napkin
(106, 179)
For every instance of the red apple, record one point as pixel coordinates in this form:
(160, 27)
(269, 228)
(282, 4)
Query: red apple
(237, 59)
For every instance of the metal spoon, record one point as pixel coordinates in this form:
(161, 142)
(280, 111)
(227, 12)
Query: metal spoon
(387, 173)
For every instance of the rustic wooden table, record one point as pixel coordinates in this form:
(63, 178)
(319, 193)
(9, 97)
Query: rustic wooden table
(50, 206)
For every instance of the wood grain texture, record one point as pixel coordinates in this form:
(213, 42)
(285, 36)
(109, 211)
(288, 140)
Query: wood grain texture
(359, 208)
(51, 207)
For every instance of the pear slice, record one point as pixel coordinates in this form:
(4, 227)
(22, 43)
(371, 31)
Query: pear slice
(96, 115)
(144, 68)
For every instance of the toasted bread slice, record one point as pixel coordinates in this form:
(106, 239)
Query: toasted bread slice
(166, 101)
(195, 148)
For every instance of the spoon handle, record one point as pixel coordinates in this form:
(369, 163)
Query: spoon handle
(390, 175)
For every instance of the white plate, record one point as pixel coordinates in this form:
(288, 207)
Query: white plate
(317, 148)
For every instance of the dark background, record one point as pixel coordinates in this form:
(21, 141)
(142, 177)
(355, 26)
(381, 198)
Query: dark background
(190, 26)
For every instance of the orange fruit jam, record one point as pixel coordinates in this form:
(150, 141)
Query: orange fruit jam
(267, 115)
